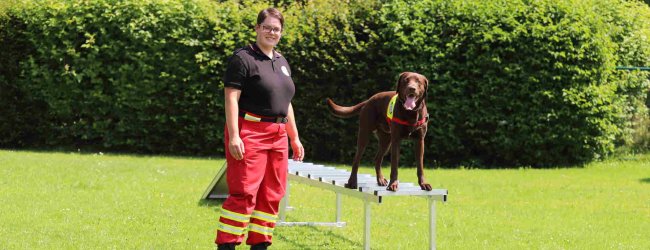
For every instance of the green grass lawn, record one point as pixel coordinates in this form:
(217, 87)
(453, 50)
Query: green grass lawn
(95, 201)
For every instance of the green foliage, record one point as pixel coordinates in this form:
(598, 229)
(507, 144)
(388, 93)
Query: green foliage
(633, 86)
(5, 5)
(20, 114)
(328, 47)
(122, 75)
(513, 82)
(517, 82)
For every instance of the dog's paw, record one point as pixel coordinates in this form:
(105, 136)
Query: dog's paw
(393, 186)
(352, 182)
(351, 185)
(381, 181)
(425, 186)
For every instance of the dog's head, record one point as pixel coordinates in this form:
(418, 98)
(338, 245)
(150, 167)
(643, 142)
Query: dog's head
(412, 90)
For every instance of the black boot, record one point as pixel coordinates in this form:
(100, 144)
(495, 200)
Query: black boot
(260, 246)
(226, 246)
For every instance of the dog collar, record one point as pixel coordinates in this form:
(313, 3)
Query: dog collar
(391, 110)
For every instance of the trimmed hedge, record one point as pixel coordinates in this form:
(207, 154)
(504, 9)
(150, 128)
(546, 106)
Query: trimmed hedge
(514, 82)
(519, 82)
(118, 75)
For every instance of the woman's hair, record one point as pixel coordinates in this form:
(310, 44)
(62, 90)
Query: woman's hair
(273, 12)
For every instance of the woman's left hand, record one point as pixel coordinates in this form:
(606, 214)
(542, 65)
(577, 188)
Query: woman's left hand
(298, 150)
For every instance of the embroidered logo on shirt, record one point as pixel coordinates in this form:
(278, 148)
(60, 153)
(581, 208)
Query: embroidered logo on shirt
(284, 70)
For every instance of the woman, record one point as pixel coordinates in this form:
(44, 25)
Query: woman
(259, 116)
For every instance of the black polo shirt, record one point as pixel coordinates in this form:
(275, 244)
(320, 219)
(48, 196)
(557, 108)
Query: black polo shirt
(265, 83)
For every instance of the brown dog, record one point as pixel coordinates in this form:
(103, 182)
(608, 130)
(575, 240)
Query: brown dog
(393, 116)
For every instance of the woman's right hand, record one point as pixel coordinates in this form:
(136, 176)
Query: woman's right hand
(236, 147)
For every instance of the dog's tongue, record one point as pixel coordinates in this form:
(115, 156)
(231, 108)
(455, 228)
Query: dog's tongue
(409, 104)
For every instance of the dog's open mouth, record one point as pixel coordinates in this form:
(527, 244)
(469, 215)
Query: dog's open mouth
(409, 103)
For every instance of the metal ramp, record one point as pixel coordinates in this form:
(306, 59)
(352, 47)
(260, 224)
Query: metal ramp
(333, 179)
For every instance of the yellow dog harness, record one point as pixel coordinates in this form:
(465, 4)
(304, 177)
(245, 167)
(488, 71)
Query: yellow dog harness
(391, 110)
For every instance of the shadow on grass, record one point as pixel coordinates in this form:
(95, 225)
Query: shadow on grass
(209, 203)
(645, 180)
(304, 243)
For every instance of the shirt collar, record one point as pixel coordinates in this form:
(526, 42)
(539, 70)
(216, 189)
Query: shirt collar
(257, 50)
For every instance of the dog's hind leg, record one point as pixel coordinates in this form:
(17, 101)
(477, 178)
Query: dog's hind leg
(384, 145)
(362, 141)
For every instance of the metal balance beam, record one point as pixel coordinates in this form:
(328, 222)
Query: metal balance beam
(333, 179)
(369, 192)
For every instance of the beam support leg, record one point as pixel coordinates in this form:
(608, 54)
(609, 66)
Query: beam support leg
(284, 203)
(432, 224)
(338, 207)
(366, 228)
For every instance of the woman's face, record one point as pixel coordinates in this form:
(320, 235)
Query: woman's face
(269, 32)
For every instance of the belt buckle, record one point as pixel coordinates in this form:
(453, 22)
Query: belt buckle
(281, 120)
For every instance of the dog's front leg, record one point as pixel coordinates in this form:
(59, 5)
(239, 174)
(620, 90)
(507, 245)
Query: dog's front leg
(394, 159)
(419, 154)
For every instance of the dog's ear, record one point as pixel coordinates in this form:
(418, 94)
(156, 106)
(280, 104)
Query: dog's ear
(426, 86)
(401, 80)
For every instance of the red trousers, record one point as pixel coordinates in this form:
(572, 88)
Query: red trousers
(256, 184)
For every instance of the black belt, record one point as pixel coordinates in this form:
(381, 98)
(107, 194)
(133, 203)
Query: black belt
(258, 118)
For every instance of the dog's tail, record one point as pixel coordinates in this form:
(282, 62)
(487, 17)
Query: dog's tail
(345, 112)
